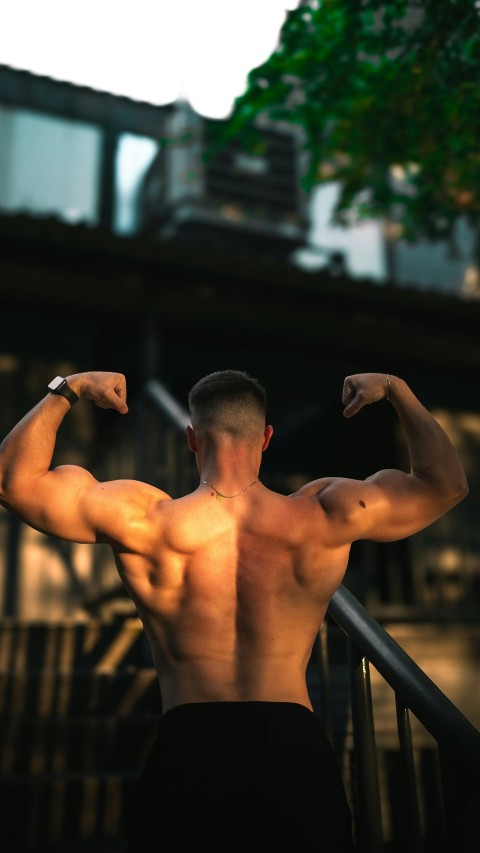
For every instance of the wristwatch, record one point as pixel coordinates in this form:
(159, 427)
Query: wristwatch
(59, 385)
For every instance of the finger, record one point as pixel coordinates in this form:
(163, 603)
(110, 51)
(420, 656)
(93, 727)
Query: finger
(355, 405)
(121, 387)
(121, 406)
(348, 391)
(114, 401)
(121, 391)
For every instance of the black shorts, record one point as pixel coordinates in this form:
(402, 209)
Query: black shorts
(239, 775)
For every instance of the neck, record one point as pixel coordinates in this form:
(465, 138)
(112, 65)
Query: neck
(228, 465)
(229, 469)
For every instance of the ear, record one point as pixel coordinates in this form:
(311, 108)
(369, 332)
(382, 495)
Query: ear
(267, 436)
(191, 439)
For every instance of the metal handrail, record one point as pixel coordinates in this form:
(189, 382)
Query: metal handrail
(458, 741)
(431, 707)
(158, 394)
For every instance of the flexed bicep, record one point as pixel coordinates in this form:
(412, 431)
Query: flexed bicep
(68, 502)
(404, 504)
(385, 507)
(56, 503)
(393, 504)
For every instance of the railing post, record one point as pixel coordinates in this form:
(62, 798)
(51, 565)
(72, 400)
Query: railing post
(321, 650)
(412, 817)
(367, 810)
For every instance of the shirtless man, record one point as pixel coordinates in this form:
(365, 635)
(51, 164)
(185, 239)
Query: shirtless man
(232, 583)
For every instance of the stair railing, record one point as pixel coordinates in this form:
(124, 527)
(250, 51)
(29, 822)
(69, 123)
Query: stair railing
(458, 741)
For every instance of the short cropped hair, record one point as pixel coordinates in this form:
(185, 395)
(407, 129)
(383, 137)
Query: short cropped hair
(228, 401)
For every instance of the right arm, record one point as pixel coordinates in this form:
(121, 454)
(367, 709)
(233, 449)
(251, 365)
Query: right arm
(393, 504)
(67, 501)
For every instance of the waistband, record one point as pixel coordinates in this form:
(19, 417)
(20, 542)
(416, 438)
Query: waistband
(237, 708)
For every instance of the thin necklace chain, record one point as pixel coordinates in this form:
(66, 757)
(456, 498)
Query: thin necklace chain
(219, 496)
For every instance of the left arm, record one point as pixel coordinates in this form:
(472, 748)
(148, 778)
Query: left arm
(393, 504)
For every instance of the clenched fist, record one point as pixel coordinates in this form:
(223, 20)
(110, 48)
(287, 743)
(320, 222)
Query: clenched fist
(361, 389)
(107, 390)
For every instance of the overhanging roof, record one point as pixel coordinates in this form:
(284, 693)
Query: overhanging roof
(44, 262)
(20, 88)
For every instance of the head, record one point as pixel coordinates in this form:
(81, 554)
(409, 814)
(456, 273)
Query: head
(229, 404)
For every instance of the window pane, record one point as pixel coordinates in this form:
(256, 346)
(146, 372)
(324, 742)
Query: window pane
(134, 155)
(48, 166)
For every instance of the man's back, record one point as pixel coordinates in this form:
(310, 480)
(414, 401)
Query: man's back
(232, 592)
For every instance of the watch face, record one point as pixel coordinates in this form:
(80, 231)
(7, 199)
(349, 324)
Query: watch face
(55, 383)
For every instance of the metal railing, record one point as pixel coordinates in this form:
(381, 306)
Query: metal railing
(458, 741)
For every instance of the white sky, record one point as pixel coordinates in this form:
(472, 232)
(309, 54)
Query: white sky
(149, 50)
